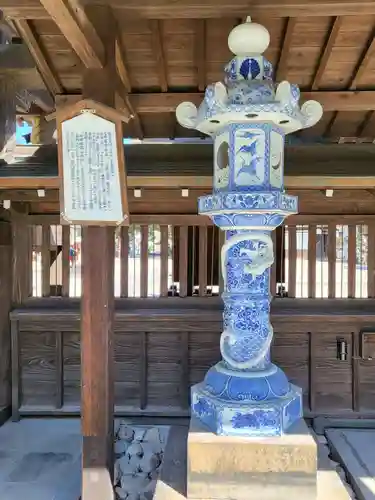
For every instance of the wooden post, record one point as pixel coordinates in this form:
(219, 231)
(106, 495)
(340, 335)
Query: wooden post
(6, 302)
(7, 117)
(22, 285)
(98, 307)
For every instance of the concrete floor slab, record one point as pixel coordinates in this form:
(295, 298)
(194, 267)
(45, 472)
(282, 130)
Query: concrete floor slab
(40, 459)
(354, 449)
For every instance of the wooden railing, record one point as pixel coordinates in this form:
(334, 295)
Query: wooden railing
(315, 256)
(153, 259)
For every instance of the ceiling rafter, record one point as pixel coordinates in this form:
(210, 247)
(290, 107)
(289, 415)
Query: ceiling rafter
(363, 64)
(49, 78)
(200, 53)
(121, 65)
(78, 30)
(73, 22)
(164, 9)
(324, 58)
(368, 122)
(355, 80)
(282, 66)
(367, 127)
(157, 45)
(123, 73)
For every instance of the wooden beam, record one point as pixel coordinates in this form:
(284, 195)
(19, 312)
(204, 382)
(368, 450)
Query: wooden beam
(203, 181)
(367, 127)
(97, 308)
(49, 78)
(363, 65)
(164, 9)
(324, 58)
(331, 125)
(123, 73)
(167, 102)
(121, 65)
(200, 53)
(286, 44)
(330, 100)
(157, 44)
(81, 36)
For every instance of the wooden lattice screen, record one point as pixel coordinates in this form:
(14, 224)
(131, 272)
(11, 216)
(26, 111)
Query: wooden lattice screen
(317, 257)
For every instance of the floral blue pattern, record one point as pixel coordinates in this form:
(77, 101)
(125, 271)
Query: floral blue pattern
(245, 393)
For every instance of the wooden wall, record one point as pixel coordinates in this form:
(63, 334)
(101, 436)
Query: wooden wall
(163, 346)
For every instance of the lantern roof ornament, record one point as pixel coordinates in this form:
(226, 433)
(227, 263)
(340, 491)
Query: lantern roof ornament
(248, 93)
(248, 39)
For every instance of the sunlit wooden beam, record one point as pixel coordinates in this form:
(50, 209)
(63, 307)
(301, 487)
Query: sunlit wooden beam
(200, 53)
(49, 78)
(157, 46)
(323, 61)
(188, 9)
(282, 66)
(78, 30)
(362, 65)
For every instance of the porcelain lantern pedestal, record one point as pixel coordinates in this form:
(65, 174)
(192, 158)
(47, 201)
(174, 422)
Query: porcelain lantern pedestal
(245, 394)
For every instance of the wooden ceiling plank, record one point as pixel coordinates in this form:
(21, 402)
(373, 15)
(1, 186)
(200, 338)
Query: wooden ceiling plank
(200, 53)
(367, 127)
(87, 46)
(164, 9)
(157, 45)
(362, 65)
(50, 80)
(330, 42)
(282, 66)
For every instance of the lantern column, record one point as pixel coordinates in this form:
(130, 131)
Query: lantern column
(245, 394)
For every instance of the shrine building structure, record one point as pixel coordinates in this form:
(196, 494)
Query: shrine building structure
(187, 231)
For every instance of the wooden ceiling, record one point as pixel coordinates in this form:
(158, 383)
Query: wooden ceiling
(168, 52)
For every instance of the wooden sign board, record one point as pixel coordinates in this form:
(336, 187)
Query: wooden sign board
(91, 166)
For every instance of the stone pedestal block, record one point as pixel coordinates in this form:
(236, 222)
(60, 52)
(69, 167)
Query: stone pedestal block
(243, 468)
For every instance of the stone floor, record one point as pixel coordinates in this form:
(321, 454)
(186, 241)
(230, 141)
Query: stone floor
(355, 450)
(40, 459)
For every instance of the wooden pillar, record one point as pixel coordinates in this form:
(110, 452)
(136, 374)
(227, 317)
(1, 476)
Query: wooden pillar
(22, 254)
(98, 307)
(6, 302)
(7, 116)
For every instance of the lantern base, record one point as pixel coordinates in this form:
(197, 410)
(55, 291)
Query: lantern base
(243, 468)
(254, 419)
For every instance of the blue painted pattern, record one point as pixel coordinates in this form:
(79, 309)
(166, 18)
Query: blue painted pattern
(245, 393)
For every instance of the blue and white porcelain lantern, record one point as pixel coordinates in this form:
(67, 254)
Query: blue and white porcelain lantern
(248, 117)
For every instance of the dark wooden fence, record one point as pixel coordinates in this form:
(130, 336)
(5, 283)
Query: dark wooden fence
(166, 345)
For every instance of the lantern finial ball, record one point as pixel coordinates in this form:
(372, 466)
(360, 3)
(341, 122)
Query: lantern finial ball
(248, 39)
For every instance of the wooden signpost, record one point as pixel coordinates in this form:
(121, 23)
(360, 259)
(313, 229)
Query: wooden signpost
(91, 165)
(93, 194)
